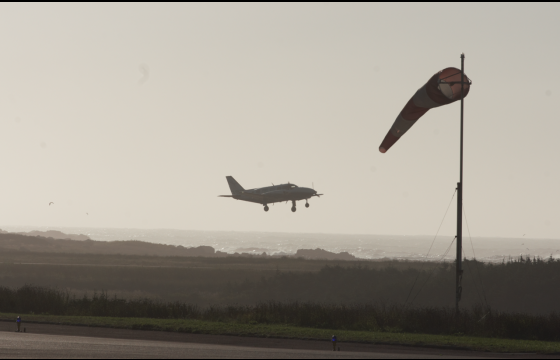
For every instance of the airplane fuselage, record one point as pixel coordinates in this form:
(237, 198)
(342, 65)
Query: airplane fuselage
(274, 194)
(271, 194)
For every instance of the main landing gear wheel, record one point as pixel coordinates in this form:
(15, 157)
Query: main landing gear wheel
(306, 205)
(265, 208)
(294, 209)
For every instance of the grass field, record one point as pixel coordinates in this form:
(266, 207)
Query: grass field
(292, 332)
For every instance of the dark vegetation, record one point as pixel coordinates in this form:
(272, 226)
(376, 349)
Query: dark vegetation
(477, 321)
(523, 293)
(199, 280)
(522, 285)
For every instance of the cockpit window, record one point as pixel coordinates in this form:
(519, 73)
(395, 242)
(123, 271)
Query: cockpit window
(293, 186)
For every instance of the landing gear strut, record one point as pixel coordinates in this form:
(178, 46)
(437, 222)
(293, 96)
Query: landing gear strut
(265, 207)
(294, 206)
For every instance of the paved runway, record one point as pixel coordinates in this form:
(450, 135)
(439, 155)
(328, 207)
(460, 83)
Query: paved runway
(20, 345)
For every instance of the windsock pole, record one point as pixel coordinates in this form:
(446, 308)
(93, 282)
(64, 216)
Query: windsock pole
(459, 264)
(441, 89)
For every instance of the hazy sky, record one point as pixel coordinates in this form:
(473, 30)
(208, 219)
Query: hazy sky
(135, 113)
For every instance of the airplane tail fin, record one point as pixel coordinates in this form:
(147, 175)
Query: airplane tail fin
(234, 185)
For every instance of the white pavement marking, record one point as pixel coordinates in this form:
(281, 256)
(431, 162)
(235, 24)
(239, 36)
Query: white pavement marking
(25, 345)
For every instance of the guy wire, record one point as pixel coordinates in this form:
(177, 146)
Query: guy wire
(434, 269)
(474, 255)
(430, 249)
(473, 281)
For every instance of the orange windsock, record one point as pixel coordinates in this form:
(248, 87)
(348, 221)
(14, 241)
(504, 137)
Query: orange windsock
(443, 88)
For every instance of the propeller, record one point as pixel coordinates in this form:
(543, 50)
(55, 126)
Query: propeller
(313, 186)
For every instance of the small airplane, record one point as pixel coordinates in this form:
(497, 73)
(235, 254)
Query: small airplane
(270, 194)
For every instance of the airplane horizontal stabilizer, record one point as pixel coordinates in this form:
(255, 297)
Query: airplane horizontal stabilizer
(225, 195)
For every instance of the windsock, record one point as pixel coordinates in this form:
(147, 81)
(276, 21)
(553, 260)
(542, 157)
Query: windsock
(443, 88)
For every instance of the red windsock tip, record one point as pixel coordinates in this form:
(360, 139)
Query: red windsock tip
(389, 140)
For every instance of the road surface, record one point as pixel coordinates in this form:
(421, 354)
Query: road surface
(20, 345)
(62, 341)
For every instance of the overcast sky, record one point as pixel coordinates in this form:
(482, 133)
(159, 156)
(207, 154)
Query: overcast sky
(135, 113)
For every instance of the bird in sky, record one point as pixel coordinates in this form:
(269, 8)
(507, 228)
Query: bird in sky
(145, 70)
(51, 203)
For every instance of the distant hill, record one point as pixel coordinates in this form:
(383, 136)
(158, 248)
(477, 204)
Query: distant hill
(55, 234)
(38, 241)
(20, 242)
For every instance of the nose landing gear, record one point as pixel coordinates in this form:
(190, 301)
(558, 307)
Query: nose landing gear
(266, 208)
(306, 204)
(294, 206)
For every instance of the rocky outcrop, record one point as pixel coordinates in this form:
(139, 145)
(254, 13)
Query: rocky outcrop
(320, 254)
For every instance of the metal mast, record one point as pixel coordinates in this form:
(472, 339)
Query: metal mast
(459, 264)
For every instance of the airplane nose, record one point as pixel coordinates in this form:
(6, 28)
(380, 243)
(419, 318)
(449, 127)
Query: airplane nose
(307, 191)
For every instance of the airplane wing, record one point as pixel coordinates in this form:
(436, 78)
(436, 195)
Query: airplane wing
(247, 196)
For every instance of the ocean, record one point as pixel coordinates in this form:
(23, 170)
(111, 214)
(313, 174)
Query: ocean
(362, 246)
